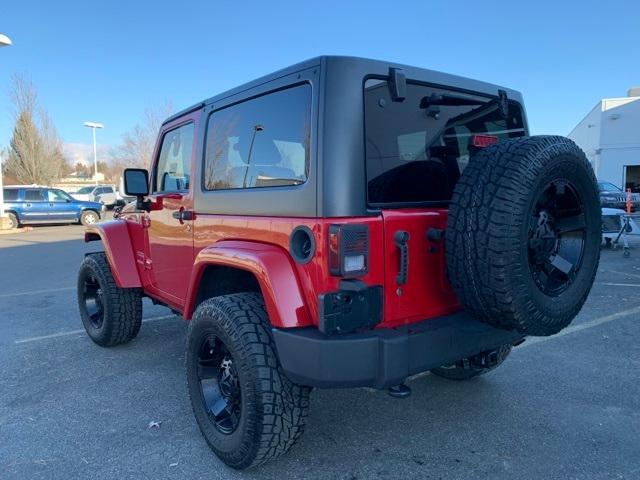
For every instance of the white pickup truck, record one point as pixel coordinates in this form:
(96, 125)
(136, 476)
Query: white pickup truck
(104, 194)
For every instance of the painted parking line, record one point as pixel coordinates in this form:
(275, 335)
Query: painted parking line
(76, 332)
(619, 284)
(35, 292)
(628, 274)
(583, 326)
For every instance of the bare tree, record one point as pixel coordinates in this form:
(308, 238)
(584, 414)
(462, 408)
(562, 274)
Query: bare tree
(137, 144)
(35, 153)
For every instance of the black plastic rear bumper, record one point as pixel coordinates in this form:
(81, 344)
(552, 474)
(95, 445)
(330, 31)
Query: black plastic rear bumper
(384, 357)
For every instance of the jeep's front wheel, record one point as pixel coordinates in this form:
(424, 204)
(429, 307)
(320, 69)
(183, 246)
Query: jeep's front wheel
(475, 366)
(248, 411)
(111, 315)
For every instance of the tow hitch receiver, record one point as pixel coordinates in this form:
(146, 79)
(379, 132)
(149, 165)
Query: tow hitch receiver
(488, 359)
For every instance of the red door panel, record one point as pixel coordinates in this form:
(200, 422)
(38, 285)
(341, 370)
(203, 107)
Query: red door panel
(171, 248)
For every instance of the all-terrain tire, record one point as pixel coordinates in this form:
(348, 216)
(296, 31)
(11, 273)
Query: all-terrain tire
(273, 409)
(111, 315)
(89, 217)
(496, 234)
(467, 368)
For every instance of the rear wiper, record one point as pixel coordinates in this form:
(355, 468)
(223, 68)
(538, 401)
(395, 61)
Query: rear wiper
(448, 100)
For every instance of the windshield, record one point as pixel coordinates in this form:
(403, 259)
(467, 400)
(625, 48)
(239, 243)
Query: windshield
(85, 190)
(416, 149)
(608, 187)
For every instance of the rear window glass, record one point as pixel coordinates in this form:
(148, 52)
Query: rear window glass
(33, 196)
(262, 142)
(10, 194)
(416, 149)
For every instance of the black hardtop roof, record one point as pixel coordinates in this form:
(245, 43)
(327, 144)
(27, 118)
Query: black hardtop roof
(372, 66)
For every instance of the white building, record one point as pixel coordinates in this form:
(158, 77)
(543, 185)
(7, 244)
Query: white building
(610, 136)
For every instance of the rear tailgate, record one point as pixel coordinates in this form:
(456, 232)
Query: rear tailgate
(427, 292)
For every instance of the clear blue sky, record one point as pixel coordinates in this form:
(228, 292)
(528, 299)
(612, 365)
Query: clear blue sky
(109, 60)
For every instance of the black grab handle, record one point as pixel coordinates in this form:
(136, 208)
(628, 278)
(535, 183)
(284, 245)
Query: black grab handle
(401, 239)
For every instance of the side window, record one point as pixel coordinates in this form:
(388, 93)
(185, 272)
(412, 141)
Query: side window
(262, 142)
(33, 196)
(174, 164)
(107, 190)
(10, 194)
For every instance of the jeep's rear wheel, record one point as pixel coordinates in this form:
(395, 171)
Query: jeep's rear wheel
(110, 315)
(523, 234)
(475, 366)
(247, 409)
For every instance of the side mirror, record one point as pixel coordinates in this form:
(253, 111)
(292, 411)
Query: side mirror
(136, 182)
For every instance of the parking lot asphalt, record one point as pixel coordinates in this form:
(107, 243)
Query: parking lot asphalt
(561, 407)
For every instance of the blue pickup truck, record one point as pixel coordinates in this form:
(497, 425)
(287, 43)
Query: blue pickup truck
(28, 205)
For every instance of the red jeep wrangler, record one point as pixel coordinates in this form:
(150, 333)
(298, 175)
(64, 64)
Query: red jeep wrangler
(344, 223)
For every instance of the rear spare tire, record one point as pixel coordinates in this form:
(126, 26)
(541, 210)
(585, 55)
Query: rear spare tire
(523, 234)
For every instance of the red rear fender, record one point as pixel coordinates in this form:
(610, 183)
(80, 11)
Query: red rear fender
(117, 246)
(272, 268)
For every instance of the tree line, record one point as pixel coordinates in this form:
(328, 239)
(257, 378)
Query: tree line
(35, 154)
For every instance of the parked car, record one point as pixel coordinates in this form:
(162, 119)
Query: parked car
(104, 194)
(32, 205)
(344, 223)
(612, 196)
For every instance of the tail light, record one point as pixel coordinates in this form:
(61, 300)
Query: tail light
(348, 250)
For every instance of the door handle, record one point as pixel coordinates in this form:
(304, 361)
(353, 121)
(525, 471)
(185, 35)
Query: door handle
(401, 239)
(183, 215)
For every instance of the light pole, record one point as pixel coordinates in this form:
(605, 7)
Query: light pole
(4, 223)
(93, 126)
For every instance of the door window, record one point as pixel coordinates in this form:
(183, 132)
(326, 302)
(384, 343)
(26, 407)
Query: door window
(174, 163)
(57, 196)
(33, 196)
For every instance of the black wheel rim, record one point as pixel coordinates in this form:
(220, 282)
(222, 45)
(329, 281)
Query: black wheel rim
(93, 301)
(557, 237)
(219, 385)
